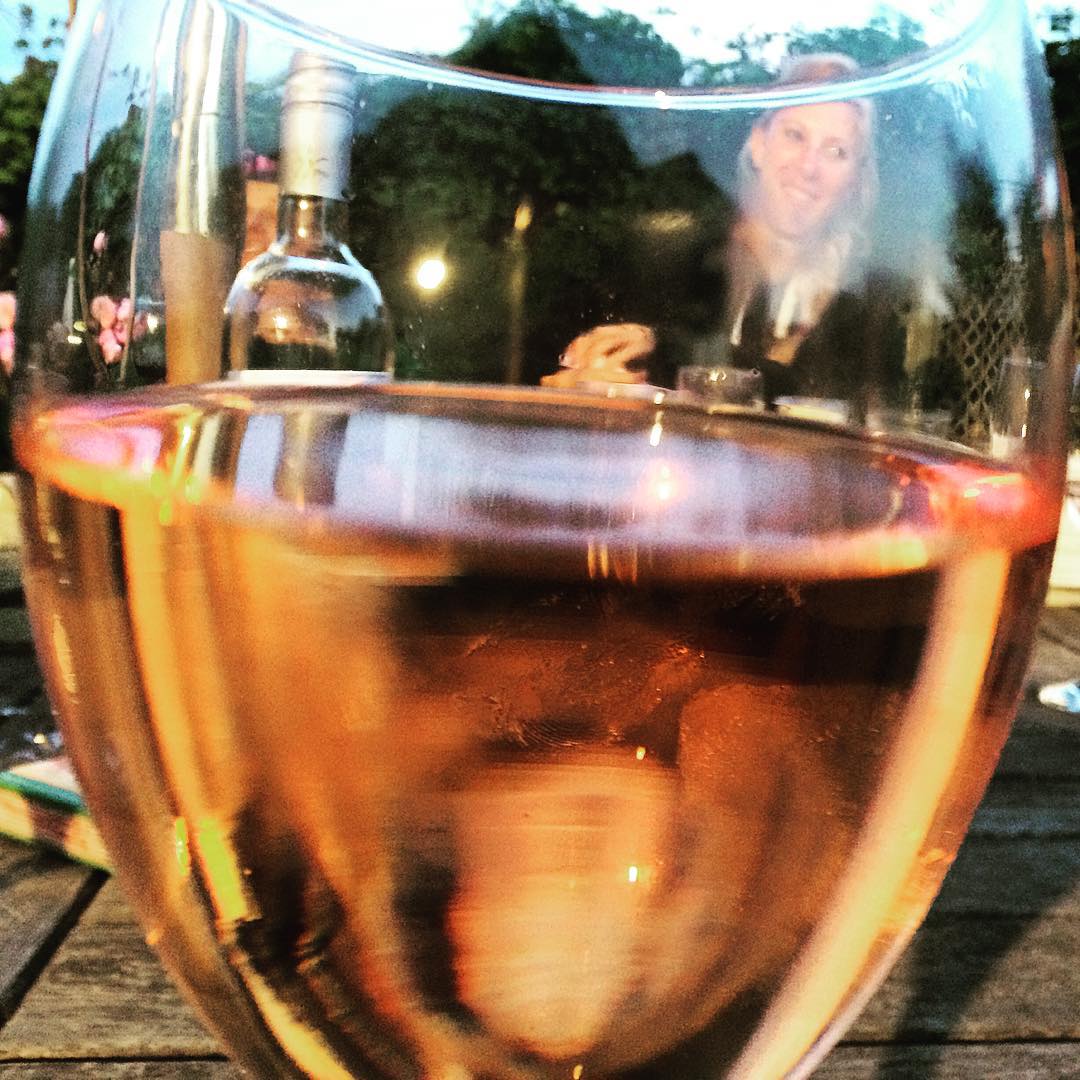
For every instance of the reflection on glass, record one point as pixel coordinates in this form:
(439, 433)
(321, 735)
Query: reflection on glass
(790, 283)
(1016, 409)
(646, 211)
(306, 303)
(456, 725)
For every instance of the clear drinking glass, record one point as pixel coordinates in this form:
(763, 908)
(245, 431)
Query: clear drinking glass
(721, 386)
(444, 715)
(1016, 405)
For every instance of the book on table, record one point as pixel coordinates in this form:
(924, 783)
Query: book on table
(40, 802)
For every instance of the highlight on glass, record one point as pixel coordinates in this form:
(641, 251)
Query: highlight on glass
(465, 682)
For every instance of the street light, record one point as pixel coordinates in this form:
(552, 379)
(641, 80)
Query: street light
(430, 273)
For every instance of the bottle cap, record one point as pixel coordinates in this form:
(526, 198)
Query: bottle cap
(317, 126)
(318, 80)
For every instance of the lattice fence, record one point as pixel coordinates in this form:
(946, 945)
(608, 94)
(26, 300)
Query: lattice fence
(981, 333)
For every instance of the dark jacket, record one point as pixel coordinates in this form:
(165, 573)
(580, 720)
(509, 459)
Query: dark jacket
(854, 351)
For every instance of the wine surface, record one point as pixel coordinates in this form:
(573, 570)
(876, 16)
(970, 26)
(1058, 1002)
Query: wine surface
(470, 733)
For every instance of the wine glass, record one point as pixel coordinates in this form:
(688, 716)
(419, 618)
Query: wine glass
(454, 698)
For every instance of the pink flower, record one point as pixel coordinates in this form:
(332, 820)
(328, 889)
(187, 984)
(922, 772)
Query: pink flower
(101, 242)
(264, 165)
(110, 347)
(7, 350)
(123, 320)
(103, 309)
(7, 331)
(5, 228)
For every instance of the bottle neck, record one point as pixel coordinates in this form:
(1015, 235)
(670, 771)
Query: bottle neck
(307, 223)
(315, 142)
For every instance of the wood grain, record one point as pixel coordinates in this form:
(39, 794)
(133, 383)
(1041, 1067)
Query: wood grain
(105, 995)
(998, 958)
(980, 979)
(41, 895)
(1057, 647)
(188, 1069)
(1027, 1061)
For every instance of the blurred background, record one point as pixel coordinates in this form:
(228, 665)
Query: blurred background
(32, 38)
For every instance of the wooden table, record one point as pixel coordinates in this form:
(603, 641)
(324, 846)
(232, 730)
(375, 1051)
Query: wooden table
(989, 988)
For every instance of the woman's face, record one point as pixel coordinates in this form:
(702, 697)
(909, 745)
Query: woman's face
(806, 158)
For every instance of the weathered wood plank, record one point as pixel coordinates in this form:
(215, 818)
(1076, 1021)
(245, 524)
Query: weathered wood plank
(105, 995)
(41, 895)
(1043, 744)
(1035, 790)
(1055, 658)
(1035, 796)
(1026, 1061)
(1029, 876)
(188, 1069)
(1001, 820)
(1051, 661)
(978, 980)
(963, 979)
(1029, 1061)
(14, 625)
(995, 961)
(1022, 853)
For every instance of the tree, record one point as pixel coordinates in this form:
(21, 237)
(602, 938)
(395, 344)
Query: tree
(22, 107)
(1063, 64)
(556, 41)
(502, 188)
(613, 198)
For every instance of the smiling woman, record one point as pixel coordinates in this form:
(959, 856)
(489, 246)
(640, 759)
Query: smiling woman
(809, 171)
(807, 159)
(808, 185)
(791, 292)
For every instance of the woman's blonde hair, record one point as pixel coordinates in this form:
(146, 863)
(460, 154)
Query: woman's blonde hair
(852, 218)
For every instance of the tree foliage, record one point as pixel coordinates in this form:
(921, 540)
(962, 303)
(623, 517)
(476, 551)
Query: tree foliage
(554, 40)
(500, 186)
(582, 204)
(615, 197)
(1063, 64)
(22, 107)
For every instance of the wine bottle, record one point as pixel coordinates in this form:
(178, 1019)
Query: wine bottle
(307, 302)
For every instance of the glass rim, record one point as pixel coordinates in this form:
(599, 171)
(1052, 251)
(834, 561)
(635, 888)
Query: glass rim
(867, 82)
(108, 418)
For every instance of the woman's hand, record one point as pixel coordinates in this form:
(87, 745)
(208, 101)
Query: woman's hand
(603, 354)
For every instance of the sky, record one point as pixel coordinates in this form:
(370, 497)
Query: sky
(11, 59)
(700, 29)
(435, 26)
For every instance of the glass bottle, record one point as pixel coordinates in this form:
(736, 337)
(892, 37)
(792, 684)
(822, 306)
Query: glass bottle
(307, 302)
